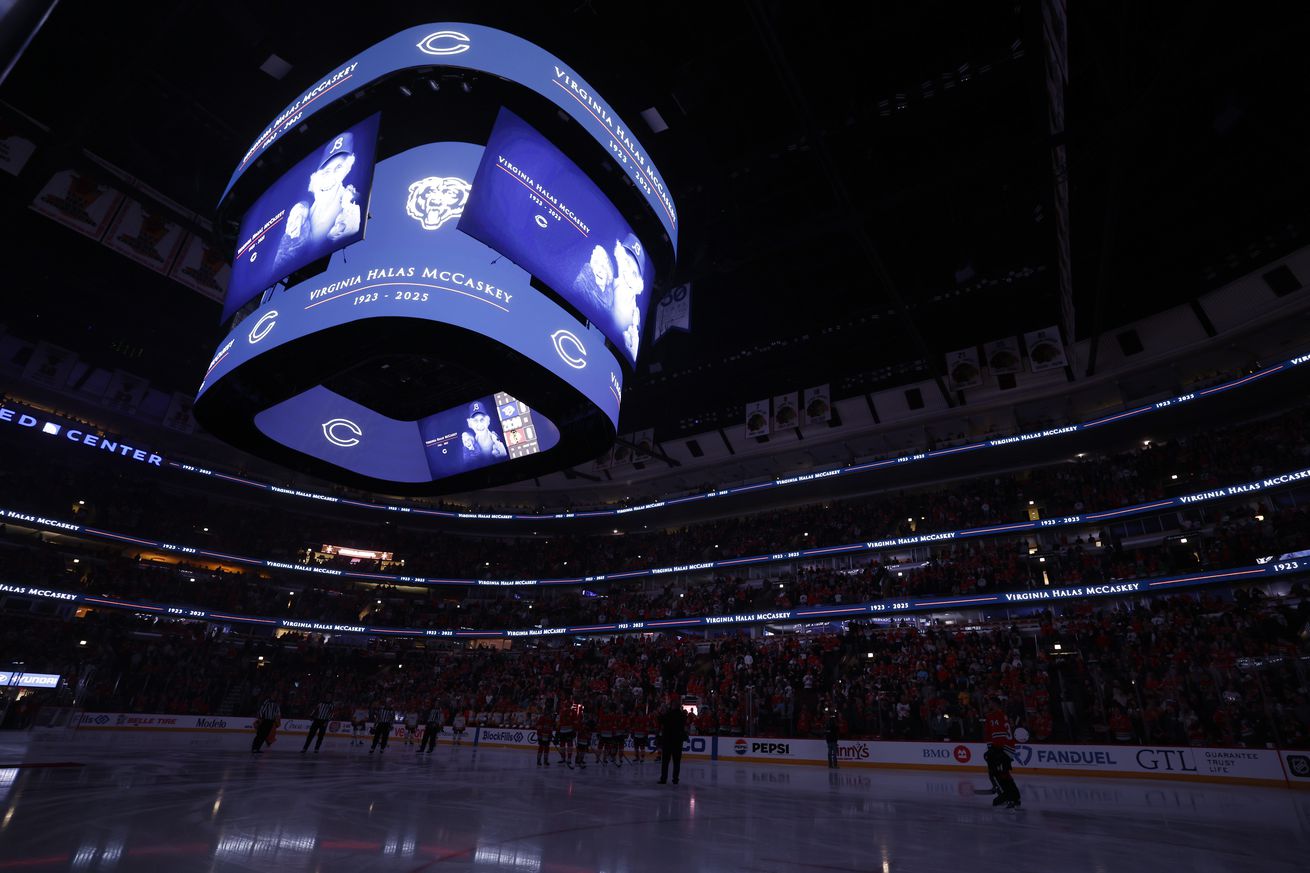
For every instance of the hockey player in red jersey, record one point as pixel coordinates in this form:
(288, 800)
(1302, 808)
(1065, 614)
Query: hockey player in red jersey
(545, 727)
(1000, 748)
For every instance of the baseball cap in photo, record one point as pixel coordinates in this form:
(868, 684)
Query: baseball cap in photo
(342, 145)
(633, 247)
(476, 408)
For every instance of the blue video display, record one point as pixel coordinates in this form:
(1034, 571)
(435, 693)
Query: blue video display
(486, 431)
(416, 263)
(318, 206)
(474, 47)
(534, 205)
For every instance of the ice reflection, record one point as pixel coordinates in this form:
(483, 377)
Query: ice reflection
(282, 846)
(508, 858)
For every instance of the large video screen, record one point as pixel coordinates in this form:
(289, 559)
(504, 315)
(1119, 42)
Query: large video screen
(535, 206)
(318, 206)
(487, 431)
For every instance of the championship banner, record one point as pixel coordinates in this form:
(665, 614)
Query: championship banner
(15, 151)
(785, 412)
(125, 391)
(623, 449)
(757, 418)
(673, 311)
(1045, 350)
(1002, 356)
(605, 461)
(962, 369)
(145, 236)
(178, 417)
(78, 200)
(202, 268)
(817, 405)
(50, 364)
(645, 442)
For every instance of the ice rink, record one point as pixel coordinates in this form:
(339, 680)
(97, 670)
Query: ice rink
(113, 801)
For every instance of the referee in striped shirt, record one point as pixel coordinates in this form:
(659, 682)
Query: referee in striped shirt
(322, 713)
(386, 719)
(270, 713)
(431, 729)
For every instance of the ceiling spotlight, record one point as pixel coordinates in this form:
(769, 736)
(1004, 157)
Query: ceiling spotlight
(433, 84)
(404, 90)
(466, 87)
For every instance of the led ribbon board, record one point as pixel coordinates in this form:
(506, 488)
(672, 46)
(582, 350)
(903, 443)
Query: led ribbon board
(490, 378)
(889, 544)
(1267, 569)
(38, 421)
(855, 469)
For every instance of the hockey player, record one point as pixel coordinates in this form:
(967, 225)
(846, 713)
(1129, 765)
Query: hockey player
(545, 728)
(586, 728)
(568, 729)
(1000, 749)
(642, 725)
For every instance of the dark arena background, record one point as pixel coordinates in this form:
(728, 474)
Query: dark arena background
(572, 436)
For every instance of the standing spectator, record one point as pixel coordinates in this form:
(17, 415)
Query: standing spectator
(673, 732)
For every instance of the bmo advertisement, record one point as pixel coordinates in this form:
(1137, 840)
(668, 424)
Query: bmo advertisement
(480, 299)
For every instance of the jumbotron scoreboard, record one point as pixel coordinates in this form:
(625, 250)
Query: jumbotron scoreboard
(444, 253)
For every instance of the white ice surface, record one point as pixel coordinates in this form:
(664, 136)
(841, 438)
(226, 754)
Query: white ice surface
(202, 802)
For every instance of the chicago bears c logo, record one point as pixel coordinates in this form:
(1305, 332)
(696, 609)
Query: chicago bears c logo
(437, 199)
(569, 348)
(331, 432)
(444, 42)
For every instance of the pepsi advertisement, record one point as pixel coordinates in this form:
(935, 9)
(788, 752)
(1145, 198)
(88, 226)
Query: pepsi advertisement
(315, 208)
(534, 205)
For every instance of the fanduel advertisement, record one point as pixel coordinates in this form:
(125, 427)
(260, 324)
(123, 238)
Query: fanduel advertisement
(417, 263)
(319, 205)
(536, 206)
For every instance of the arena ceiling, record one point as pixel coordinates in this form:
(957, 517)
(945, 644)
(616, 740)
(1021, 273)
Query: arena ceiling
(862, 189)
